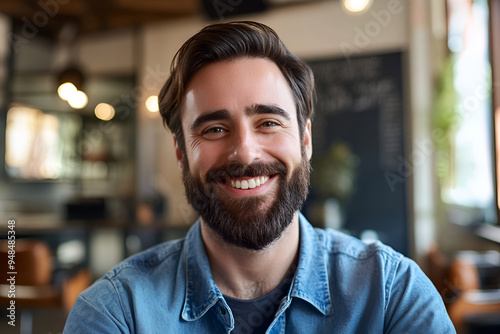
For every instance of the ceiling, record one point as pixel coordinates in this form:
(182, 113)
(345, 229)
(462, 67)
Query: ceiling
(48, 17)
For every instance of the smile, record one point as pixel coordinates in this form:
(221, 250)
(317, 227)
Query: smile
(249, 183)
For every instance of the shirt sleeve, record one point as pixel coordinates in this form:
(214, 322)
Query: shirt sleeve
(97, 310)
(414, 304)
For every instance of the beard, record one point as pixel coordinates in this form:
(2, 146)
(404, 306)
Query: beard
(254, 222)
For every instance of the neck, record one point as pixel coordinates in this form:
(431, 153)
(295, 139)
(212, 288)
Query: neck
(248, 274)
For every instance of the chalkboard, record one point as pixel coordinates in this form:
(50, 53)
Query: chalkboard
(358, 143)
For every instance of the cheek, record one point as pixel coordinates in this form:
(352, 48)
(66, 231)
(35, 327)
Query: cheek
(202, 158)
(287, 150)
(197, 155)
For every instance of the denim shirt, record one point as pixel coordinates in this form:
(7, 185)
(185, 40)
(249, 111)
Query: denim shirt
(341, 285)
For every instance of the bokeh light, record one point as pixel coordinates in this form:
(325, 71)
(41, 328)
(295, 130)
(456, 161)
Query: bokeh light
(104, 111)
(66, 90)
(78, 100)
(356, 6)
(152, 103)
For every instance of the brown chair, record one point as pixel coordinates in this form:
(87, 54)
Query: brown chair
(33, 270)
(437, 269)
(470, 300)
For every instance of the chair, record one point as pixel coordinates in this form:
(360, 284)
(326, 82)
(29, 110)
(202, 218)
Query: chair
(34, 288)
(472, 305)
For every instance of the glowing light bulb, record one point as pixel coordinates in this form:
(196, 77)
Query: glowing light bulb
(66, 90)
(356, 6)
(104, 111)
(78, 100)
(152, 103)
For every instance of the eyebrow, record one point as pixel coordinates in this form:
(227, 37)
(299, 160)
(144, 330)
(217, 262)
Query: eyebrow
(211, 116)
(266, 109)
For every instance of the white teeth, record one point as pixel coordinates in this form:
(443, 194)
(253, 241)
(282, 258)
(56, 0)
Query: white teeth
(249, 184)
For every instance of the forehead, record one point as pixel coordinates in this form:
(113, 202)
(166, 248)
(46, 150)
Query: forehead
(234, 85)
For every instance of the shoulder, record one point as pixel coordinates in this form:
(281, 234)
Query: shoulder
(141, 271)
(113, 301)
(383, 280)
(339, 244)
(349, 255)
(355, 257)
(145, 262)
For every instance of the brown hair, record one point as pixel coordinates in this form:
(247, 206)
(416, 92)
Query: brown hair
(223, 41)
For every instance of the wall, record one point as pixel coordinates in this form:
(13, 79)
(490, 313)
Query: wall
(109, 53)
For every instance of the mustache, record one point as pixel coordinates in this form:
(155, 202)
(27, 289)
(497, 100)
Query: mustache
(237, 170)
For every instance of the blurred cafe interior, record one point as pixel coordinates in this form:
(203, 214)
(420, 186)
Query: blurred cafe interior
(406, 137)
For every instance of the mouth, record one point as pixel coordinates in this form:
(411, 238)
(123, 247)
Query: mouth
(248, 183)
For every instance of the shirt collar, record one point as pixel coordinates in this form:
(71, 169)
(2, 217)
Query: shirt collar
(310, 282)
(201, 291)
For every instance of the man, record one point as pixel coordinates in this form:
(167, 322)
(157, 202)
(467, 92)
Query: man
(239, 106)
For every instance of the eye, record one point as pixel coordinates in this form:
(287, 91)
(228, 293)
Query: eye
(214, 132)
(270, 124)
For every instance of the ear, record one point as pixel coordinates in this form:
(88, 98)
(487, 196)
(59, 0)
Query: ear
(178, 153)
(308, 139)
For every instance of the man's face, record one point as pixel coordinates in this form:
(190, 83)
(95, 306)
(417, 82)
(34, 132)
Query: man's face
(245, 169)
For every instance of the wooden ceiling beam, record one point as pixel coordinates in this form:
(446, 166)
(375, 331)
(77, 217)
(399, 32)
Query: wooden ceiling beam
(96, 15)
(171, 7)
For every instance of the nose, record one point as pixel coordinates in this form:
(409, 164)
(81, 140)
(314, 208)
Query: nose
(245, 147)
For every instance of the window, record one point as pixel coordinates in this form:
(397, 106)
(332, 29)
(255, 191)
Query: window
(470, 180)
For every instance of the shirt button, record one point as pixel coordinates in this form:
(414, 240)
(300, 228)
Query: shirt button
(222, 310)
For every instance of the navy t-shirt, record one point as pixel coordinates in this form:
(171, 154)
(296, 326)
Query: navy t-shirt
(255, 315)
